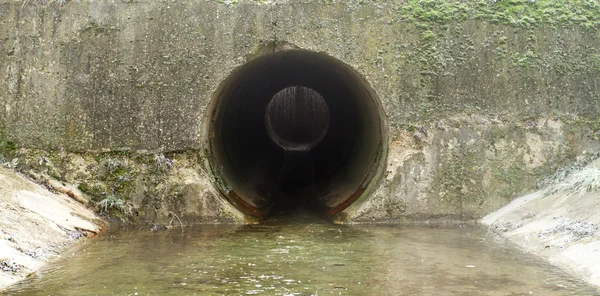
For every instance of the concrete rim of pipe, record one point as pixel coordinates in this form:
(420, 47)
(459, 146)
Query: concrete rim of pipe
(245, 161)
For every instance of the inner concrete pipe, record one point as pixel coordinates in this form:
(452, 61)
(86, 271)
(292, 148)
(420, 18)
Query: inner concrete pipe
(295, 129)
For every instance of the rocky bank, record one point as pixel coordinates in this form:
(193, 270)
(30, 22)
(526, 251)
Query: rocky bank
(36, 225)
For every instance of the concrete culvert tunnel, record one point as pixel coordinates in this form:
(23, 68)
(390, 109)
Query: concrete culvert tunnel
(294, 129)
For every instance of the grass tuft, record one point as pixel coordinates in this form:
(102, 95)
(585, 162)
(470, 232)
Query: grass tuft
(579, 182)
(113, 203)
(162, 163)
(9, 164)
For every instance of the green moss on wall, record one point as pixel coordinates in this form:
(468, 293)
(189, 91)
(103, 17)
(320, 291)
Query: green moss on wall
(7, 147)
(519, 13)
(422, 13)
(529, 13)
(587, 125)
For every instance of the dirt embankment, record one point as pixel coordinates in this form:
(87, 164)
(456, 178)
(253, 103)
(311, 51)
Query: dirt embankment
(35, 225)
(559, 223)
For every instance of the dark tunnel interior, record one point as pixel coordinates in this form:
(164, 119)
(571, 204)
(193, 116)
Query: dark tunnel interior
(294, 129)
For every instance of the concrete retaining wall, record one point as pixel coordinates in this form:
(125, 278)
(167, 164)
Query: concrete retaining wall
(480, 100)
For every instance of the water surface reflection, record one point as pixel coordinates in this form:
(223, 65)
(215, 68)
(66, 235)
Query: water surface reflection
(299, 258)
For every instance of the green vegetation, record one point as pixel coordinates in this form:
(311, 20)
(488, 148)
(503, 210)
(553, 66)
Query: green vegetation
(7, 147)
(581, 182)
(96, 191)
(524, 60)
(117, 207)
(528, 13)
(519, 13)
(120, 184)
(111, 183)
(433, 11)
(95, 29)
(8, 157)
(583, 123)
(162, 163)
(58, 2)
(579, 178)
(443, 46)
(234, 2)
(578, 182)
(7, 150)
(9, 164)
(511, 176)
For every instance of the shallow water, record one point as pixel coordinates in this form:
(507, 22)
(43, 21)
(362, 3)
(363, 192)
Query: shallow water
(300, 258)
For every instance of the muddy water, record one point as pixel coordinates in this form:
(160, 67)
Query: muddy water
(300, 259)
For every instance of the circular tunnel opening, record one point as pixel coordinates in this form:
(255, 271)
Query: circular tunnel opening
(297, 118)
(294, 130)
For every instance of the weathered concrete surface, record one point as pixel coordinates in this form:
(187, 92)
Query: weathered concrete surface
(464, 167)
(480, 101)
(35, 225)
(560, 227)
(109, 74)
